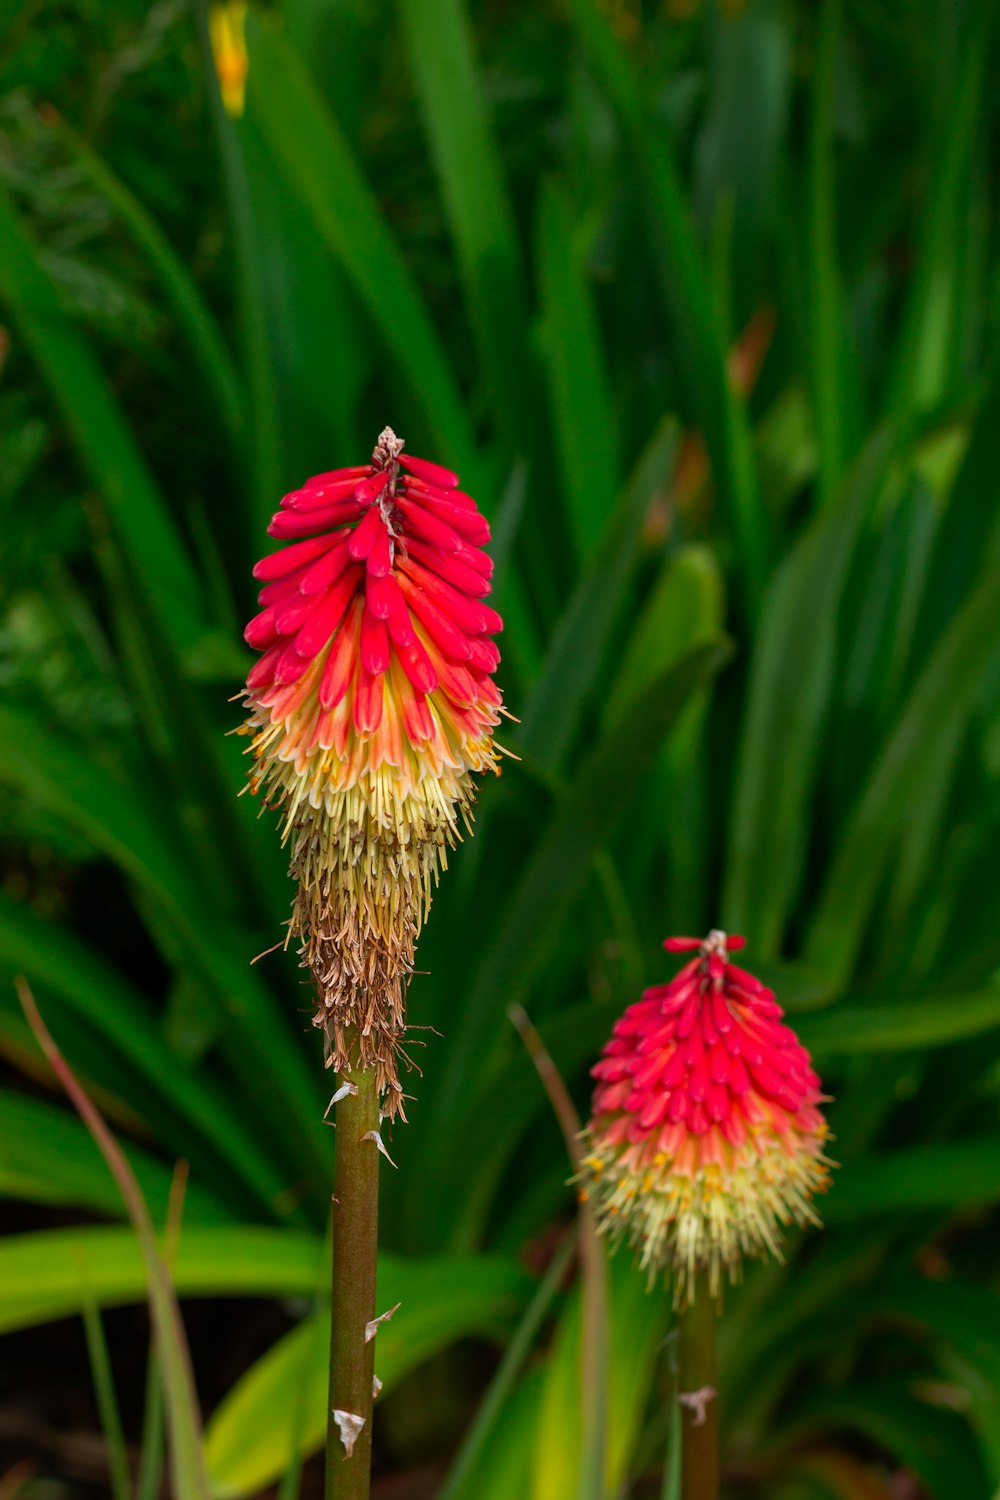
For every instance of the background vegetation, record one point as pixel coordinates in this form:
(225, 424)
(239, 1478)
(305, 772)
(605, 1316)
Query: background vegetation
(702, 301)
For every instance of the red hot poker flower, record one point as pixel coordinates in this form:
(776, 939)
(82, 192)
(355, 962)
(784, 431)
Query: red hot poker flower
(370, 709)
(706, 1134)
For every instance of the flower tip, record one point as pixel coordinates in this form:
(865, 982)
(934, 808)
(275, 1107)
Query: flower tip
(716, 940)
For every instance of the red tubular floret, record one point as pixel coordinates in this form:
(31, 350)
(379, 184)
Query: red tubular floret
(430, 473)
(362, 538)
(290, 558)
(448, 567)
(287, 524)
(317, 496)
(327, 614)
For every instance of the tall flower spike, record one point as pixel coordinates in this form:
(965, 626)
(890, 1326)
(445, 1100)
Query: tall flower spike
(371, 706)
(706, 1134)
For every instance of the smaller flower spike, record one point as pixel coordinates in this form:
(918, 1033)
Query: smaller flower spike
(706, 1134)
(370, 710)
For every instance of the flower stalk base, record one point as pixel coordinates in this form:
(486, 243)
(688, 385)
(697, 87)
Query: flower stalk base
(697, 1395)
(352, 1309)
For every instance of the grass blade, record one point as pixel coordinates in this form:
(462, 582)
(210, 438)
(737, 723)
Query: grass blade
(909, 1023)
(150, 1473)
(521, 648)
(253, 1433)
(684, 608)
(100, 433)
(315, 157)
(118, 822)
(107, 1401)
(962, 1322)
(585, 817)
(479, 213)
(268, 459)
(501, 1114)
(594, 1349)
(969, 532)
(39, 1280)
(113, 1011)
(827, 322)
(748, 75)
(463, 1467)
(698, 342)
(46, 1156)
(944, 696)
(312, 1352)
(179, 288)
(925, 356)
(187, 1467)
(151, 1462)
(551, 716)
(956, 1175)
(672, 1462)
(578, 383)
(931, 1441)
(638, 1322)
(791, 679)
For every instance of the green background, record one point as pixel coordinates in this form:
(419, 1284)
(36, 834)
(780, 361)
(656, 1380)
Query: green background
(702, 302)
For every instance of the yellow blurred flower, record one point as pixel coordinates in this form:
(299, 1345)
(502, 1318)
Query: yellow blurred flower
(227, 30)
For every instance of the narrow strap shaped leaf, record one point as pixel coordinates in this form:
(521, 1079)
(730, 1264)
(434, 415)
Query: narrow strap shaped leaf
(945, 695)
(105, 442)
(179, 287)
(250, 1435)
(187, 1463)
(440, 47)
(309, 147)
(697, 337)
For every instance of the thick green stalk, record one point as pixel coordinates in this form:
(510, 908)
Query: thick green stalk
(355, 1255)
(697, 1396)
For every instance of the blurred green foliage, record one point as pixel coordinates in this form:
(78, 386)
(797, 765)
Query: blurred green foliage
(702, 301)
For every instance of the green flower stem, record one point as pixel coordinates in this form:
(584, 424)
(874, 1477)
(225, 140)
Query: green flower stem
(697, 1395)
(355, 1257)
